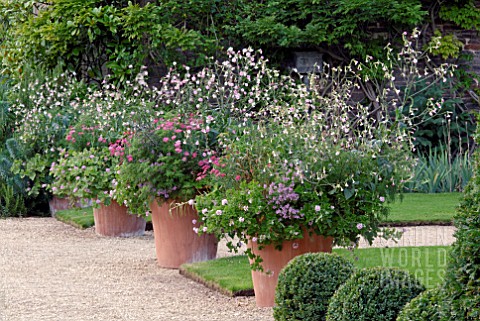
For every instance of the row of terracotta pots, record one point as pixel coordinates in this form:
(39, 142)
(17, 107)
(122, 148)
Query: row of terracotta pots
(176, 243)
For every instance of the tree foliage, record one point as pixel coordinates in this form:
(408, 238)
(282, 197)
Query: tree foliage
(95, 38)
(342, 23)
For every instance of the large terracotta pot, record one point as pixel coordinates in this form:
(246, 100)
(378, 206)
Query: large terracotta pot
(265, 283)
(175, 241)
(64, 203)
(61, 203)
(113, 220)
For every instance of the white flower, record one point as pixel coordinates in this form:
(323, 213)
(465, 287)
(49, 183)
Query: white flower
(241, 219)
(218, 212)
(191, 202)
(224, 202)
(245, 208)
(204, 211)
(317, 208)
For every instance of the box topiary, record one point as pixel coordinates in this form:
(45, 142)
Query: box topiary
(373, 294)
(427, 306)
(306, 285)
(462, 280)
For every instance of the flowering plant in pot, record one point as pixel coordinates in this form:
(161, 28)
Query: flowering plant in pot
(165, 160)
(322, 168)
(276, 180)
(163, 169)
(87, 171)
(85, 174)
(45, 105)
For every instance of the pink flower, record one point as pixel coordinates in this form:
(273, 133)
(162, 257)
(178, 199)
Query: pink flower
(130, 158)
(382, 199)
(165, 139)
(237, 178)
(359, 226)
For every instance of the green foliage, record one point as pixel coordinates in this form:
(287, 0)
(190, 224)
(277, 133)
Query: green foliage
(306, 285)
(36, 170)
(425, 307)
(45, 104)
(447, 46)
(463, 13)
(374, 294)
(463, 273)
(86, 174)
(439, 121)
(299, 24)
(11, 202)
(440, 172)
(95, 37)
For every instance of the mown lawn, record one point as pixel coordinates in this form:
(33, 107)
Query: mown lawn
(231, 275)
(418, 208)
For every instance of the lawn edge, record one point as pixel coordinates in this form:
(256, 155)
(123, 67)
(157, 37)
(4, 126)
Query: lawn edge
(71, 222)
(416, 223)
(212, 285)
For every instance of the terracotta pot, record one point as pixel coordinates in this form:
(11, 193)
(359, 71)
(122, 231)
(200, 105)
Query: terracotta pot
(113, 220)
(265, 283)
(61, 203)
(175, 241)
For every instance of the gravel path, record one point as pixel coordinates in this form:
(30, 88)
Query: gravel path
(52, 271)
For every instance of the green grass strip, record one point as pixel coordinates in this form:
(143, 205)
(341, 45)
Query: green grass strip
(231, 275)
(421, 209)
(78, 217)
